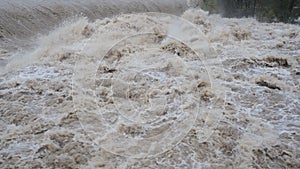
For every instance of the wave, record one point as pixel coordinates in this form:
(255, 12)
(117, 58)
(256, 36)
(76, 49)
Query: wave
(20, 19)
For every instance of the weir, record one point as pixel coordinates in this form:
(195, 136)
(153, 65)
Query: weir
(23, 19)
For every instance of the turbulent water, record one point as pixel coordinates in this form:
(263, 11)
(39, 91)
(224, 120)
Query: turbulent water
(82, 87)
(23, 19)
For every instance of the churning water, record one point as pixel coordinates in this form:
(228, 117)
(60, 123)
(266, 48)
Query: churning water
(145, 84)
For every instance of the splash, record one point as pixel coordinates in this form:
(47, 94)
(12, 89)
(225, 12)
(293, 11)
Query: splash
(148, 90)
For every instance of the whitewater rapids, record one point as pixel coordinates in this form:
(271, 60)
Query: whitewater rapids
(84, 86)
